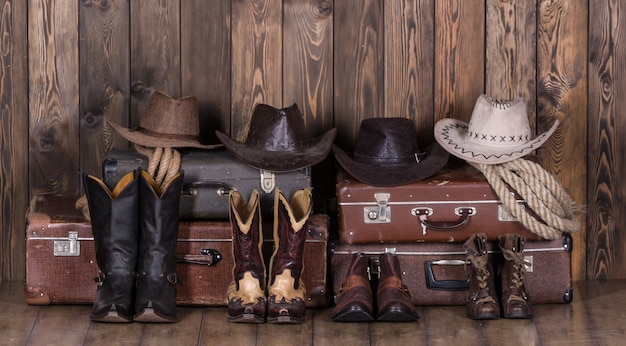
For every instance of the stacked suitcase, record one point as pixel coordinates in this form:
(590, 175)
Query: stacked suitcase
(426, 223)
(61, 261)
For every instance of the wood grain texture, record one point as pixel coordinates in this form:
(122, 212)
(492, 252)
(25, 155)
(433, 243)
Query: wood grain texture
(257, 53)
(359, 69)
(205, 63)
(53, 97)
(510, 61)
(308, 61)
(459, 57)
(409, 64)
(605, 163)
(561, 94)
(155, 52)
(13, 138)
(104, 77)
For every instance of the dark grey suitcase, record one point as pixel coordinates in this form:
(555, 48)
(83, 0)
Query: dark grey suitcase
(209, 176)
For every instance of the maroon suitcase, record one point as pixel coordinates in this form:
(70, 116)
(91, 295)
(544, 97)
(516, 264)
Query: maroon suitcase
(61, 264)
(448, 207)
(437, 273)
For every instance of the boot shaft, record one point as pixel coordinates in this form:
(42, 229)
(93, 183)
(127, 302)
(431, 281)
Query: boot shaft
(246, 226)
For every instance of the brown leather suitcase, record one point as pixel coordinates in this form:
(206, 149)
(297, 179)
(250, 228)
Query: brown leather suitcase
(61, 264)
(447, 207)
(437, 273)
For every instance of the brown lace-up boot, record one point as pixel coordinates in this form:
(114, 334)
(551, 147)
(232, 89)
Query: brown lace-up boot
(482, 301)
(393, 298)
(246, 293)
(515, 299)
(286, 288)
(354, 299)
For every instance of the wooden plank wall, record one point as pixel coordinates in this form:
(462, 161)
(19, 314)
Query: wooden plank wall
(340, 61)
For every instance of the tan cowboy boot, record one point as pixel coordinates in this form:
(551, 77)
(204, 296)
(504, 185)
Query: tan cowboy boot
(286, 288)
(354, 302)
(482, 303)
(246, 293)
(515, 299)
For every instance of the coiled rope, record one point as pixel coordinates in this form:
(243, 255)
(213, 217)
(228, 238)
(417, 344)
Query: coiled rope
(543, 194)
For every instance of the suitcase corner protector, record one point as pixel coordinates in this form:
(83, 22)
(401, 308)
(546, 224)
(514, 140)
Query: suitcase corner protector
(35, 295)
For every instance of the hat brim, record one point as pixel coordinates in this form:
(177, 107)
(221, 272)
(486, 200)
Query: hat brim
(146, 140)
(280, 161)
(393, 175)
(452, 135)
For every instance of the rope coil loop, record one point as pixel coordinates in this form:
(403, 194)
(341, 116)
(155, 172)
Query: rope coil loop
(545, 196)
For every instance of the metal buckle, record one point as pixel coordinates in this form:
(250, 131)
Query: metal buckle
(381, 213)
(268, 181)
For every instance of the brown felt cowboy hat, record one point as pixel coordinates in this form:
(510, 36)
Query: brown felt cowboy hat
(167, 123)
(277, 141)
(387, 154)
(498, 132)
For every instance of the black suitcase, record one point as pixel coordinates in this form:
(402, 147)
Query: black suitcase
(209, 176)
(436, 273)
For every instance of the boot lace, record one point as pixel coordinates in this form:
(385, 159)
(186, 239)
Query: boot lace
(482, 274)
(519, 270)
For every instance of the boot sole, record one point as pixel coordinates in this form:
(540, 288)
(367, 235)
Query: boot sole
(397, 317)
(355, 315)
(246, 318)
(150, 316)
(285, 320)
(111, 317)
(484, 317)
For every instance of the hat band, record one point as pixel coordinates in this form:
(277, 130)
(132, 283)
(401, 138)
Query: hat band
(166, 135)
(415, 158)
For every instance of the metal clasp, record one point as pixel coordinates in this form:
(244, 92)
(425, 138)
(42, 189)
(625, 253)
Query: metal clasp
(373, 270)
(268, 181)
(381, 213)
(70, 247)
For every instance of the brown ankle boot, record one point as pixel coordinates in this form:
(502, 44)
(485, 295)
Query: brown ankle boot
(354, 299)
(482, 303)
(246, 293)
(286, 292)
(393, 298)
(515, 299)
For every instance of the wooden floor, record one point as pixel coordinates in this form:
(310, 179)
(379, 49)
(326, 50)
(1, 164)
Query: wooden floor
(597, 316)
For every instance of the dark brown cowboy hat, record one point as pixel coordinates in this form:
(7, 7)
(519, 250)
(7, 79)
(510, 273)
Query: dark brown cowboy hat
(167, 123)
(277, 141)
(387, 154)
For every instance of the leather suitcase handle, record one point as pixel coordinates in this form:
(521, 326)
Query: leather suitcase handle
(444, 285)
(208, 257)
(190, 189)
(444, 226)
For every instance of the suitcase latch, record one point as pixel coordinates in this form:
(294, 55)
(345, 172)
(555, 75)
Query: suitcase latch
(70, 247)
(268, 181)
(380, 213)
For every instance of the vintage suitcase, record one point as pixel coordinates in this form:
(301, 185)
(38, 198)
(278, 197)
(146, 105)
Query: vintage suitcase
(437, 273)
(209, 176)
(447, 207)
(61, 264)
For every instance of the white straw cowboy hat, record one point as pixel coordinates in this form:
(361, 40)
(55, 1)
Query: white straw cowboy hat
(278, 141)
(167, 123)
(498, 132)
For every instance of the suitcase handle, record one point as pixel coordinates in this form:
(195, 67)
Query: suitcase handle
(464, 214)
(444, 285)
(191, 188)
(208, 257)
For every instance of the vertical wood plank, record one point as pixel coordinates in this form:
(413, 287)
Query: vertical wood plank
(359, 69)
(562, 94)
(511, 63)
(53, 97)
(13, 138)
(256, 60)
(409, 64)
(205, 63)
(155, 52)
(308, 61)
(104, 78)
(605, 119)
(459, 57)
